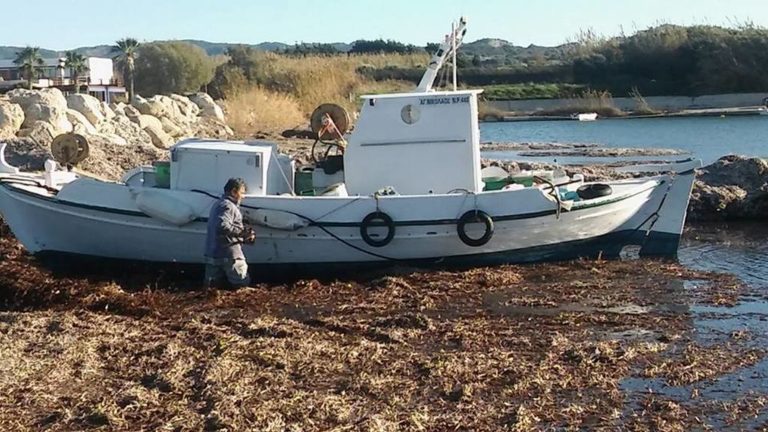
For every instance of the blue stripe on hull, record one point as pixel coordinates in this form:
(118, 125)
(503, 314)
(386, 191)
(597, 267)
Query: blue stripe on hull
(607, 246)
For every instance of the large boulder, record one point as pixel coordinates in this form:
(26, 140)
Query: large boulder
(209, 127)
(50, 96)
(160, 106)
(88, 106)
(80, 124)
(52, 114)
(188, 108)
(106, 111)
(160, 139)
(41, 132)
(110, 139)
(132, 132)
(117, 108)
(171, 128)
(163, 106)
(11, 119)
(141, 104)
(131, 112)
(207, 106)
(145, 120)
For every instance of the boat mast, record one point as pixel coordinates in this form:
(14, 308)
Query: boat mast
(453, 53)
(448, 47)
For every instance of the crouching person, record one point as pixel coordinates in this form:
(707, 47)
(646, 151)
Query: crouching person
(224, 258)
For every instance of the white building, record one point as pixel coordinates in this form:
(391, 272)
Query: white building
(99, 80)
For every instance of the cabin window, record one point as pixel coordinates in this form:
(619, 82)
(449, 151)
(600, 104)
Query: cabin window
(410, 114)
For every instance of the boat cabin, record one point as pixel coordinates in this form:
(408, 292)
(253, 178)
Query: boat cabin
(206, 165)
(409, 143)
(416, 143)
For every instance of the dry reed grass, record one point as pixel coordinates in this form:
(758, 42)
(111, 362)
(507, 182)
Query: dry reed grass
(488, 112)
(300, 84)
(255, 109)
(320, 79)
(642, 105)
(600, 102)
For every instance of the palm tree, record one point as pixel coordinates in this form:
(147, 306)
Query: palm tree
(77, 65)
(29, 60)
(127, 49)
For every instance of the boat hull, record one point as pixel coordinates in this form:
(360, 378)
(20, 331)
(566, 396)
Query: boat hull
(651, 217)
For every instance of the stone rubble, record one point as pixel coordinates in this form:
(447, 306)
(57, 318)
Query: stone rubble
(141, 131)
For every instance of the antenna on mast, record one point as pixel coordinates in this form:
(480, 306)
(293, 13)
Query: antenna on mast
(449, 46)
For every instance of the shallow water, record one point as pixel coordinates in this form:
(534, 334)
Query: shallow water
(736, 248)
(740, 249)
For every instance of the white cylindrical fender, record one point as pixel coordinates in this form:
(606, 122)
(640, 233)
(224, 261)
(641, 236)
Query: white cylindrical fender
(275, 219)
(163, 206)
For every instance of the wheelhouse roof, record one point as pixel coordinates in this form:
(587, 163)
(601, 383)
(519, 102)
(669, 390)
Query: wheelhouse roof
(422, 94)
(257, 146)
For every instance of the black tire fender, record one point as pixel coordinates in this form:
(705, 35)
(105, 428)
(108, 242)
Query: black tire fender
(473, 216)
(594, 190)
(372, 219)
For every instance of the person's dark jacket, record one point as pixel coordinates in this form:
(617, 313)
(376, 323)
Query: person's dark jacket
(226, 231)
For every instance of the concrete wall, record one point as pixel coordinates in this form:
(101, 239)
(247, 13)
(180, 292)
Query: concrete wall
(671, 103)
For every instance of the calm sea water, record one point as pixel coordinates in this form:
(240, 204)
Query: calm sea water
(706, 138)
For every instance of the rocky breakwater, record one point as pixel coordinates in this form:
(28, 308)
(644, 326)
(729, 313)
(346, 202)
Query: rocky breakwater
(121, 136)
(732, 188)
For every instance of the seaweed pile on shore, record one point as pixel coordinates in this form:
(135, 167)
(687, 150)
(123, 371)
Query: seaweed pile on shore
(512, 347)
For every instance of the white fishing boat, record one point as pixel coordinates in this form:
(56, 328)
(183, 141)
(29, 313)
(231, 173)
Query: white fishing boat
(408, 189)
(592, 116)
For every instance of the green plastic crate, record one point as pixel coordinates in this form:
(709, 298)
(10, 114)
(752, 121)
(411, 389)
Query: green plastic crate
(162, 174)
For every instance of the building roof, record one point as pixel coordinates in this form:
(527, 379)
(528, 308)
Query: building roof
(9, 64)
(48, 62)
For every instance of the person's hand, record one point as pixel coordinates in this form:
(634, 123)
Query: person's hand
(250, 236)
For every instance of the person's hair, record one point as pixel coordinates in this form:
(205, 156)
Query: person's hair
(234, 184)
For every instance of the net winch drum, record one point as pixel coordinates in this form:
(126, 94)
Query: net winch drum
(69, 149)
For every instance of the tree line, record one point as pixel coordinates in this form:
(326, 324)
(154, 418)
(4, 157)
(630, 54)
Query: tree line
(663, 60)
(678, 60)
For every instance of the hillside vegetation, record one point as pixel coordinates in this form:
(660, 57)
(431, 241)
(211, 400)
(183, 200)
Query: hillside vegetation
(268, 90)
(664, 60)
(281, 87)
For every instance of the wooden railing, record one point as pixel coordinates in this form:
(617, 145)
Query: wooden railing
(65, 82)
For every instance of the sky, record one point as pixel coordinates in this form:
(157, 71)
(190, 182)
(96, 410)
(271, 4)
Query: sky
(63, 25)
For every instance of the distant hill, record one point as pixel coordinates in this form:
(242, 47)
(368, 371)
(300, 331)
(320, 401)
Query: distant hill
(501, 50)
(486, 48)
(9, 52)
(96, 51)
(212, 48)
